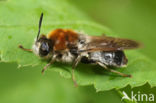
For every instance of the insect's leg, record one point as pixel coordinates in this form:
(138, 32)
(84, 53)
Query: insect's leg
(114, 71)
(46, 66)
(21, 47)
(76, 61)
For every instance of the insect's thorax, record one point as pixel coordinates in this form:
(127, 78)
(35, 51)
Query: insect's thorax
(63, 38)
(66, 44)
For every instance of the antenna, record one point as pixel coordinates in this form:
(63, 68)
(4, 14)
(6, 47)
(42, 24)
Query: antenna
(40, 23)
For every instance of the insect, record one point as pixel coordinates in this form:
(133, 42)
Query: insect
(65, 45)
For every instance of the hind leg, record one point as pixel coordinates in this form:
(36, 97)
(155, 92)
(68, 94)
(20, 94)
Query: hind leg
(114, 71)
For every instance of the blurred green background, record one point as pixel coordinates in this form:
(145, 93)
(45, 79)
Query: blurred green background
(27, 85)
(134, 19)
(124, 17)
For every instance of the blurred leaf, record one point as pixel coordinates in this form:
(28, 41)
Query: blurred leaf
(133, 19)
(28, 85)
(18, 25)
(145, 89)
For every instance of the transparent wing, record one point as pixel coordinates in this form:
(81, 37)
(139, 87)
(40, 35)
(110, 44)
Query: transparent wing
(104, 43)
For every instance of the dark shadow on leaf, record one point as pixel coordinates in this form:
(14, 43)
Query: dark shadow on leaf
(87, 69)
(63, 66)
(95, 70)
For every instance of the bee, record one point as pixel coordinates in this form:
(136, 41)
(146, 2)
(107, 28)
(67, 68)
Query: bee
(68, 46)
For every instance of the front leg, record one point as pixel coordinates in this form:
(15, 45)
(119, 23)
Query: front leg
(46, 66)
(21, 47)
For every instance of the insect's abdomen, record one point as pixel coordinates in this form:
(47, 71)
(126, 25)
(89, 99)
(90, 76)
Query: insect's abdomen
(62, 38)
(115, 58)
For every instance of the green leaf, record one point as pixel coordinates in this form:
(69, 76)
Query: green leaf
(29, 86)
(145, 89)
(19, 25)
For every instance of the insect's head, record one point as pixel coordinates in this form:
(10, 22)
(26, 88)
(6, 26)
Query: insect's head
(42, 46)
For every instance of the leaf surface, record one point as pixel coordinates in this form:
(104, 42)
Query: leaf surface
(19, 25)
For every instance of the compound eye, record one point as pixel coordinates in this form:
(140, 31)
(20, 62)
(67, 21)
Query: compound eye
(44, 49)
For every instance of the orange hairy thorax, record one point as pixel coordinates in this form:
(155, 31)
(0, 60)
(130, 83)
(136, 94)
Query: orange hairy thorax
(62, 38)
